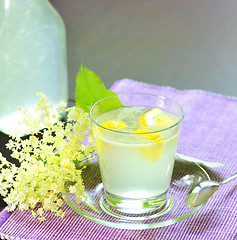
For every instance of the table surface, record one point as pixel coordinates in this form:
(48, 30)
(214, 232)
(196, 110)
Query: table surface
(184, 44)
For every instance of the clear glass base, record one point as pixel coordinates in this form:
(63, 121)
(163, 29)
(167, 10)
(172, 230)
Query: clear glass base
(134, 206)
(108, 210)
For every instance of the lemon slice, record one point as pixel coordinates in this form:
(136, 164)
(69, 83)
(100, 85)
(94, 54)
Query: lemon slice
(114, 124)
(153, 152)
(153, 117)
(154, 137)
(101, 145)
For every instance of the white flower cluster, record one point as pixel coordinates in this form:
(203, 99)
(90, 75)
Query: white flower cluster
(48, 158)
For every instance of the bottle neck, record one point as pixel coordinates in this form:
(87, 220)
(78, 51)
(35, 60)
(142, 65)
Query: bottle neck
(6, 5)
(20, 8)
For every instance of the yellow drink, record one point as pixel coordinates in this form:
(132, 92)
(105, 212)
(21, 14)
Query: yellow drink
(136, 148)
(132, 165)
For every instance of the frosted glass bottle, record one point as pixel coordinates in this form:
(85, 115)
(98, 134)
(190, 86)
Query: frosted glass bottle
(32, 57)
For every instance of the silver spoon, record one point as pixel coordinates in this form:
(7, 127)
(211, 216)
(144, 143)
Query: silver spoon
(202, 191)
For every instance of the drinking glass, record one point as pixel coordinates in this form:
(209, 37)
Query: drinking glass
(136, 167)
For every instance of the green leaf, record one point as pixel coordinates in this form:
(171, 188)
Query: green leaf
(89, 89)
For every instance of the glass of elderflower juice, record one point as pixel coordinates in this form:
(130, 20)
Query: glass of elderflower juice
(136, 138)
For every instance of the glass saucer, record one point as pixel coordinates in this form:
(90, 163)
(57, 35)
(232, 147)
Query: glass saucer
(96, 208)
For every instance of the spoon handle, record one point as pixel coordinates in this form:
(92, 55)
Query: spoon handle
(229, 178)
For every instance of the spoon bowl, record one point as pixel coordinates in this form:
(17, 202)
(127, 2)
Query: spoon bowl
(202, 191)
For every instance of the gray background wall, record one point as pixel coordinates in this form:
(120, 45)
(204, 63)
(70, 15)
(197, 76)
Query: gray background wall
(181, 43)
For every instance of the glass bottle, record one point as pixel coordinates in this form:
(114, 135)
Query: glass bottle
(32, 59)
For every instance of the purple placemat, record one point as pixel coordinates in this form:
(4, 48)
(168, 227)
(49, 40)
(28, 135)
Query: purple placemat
(209, 132)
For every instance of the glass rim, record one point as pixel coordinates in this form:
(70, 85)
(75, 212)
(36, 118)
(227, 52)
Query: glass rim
(130, 133)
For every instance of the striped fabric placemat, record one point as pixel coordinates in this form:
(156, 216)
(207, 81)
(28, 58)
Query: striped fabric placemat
(209, 132)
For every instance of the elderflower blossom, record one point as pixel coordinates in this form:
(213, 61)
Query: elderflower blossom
(49, 159)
